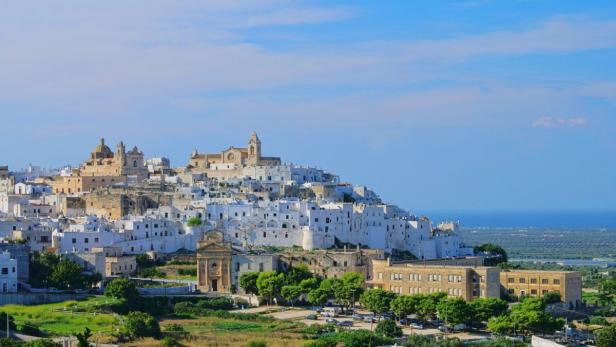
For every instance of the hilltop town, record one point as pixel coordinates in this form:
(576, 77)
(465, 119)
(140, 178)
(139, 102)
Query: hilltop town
(222, 217)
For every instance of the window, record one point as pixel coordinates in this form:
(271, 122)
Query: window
(522, 280)
(544, 281)
(74, 240)
(533, 292)
(260, 267)
(556, 281)
(533, 281)
(380, 275)
(5, 270)
(86, 240)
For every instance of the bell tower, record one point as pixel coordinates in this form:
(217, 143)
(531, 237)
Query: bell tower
(254, 149)
(121, 154)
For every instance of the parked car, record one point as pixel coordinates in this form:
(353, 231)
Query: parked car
(444, 328)
(331, 321)
(357, 316)
(345, 323)
(369, 319)
(403, 321)
(312, 316)
(459, 327)
(416, 325)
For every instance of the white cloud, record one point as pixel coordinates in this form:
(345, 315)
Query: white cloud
(550, 122)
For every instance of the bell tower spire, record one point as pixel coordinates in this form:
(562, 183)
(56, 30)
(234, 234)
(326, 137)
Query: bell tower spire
(254, 149)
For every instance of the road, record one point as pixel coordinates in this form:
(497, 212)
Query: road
(300, 314)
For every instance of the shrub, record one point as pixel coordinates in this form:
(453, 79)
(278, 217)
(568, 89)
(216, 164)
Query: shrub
(140, 324)
(256, 343)
(169, 341)
(598, 321)
(389, 328)
(194, 221)
(187, 272)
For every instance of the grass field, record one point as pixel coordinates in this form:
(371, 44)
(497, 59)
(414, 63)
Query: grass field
(210, 331)
(64, 318)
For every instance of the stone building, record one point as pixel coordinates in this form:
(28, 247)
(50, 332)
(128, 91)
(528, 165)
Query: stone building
(104, 168)
(537, 283)
(214, 263)
(467, 282)
(333, 263)
(230, 162)
(219, 265)
(104, 162)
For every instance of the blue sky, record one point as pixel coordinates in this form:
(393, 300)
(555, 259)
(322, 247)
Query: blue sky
(437, 105)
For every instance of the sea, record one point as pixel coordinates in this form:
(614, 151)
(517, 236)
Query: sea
(567, 237)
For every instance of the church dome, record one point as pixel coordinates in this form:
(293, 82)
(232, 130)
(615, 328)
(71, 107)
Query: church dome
(102, 151)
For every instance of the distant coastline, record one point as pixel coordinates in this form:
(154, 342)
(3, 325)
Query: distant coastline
(563, 219)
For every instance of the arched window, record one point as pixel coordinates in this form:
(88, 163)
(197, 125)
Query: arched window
(134, 163)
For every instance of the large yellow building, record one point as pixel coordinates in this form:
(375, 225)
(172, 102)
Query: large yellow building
(467, 282)
(104, 162)
(537, 283)
(459, 277)
(104, 168)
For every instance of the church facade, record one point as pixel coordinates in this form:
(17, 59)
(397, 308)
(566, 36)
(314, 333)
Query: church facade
(214, 263)
(104, 162)
(230, 163)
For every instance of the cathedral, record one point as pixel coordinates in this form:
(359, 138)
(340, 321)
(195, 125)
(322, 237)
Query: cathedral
(104, 162)
(233, 157)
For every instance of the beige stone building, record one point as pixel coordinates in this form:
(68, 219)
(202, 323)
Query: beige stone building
(104, 162)
(536, 283)
(333, 263)
(104, 168)
(231, 161)
(468, 282)
(120, 265)
(214, 256)
(81, 184)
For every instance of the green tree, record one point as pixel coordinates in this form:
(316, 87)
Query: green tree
(140, 324)
(485, 308)
(347, 289)
(318, 297)
(67, 275)
(248, 282)
(291, 293)
(194, 221)
(42, 265)
(377, 300)
(454, 310)
(527, 317)
(551, 297)
(296, 274)
(492, 249)
(606, 337)
(404, 305)
(125, 290)
(427, 308)
(82, 338)
(389, 328)
(309, 284)
(122, 288)
(362, 338)
(269, 284)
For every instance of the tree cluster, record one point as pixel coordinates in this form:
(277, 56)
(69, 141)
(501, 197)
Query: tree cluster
(526, 318)
(50, 270)
(299, 283)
